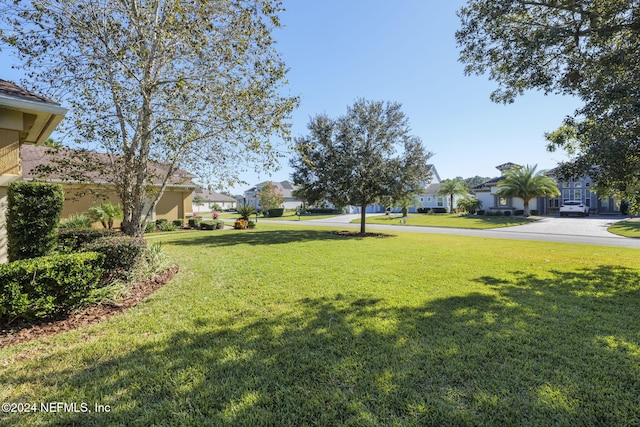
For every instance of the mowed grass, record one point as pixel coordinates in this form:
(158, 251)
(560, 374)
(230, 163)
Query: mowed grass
(288, 325)
(448, 220)
(628, 228)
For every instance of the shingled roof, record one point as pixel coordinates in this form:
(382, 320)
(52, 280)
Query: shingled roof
(33, 156)
(11, 89)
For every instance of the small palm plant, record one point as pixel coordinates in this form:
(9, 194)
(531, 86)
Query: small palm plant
(246, 211)
(105, 213)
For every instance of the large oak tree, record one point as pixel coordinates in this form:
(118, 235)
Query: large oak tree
(365, 156)
(583, 48)
(185, 84)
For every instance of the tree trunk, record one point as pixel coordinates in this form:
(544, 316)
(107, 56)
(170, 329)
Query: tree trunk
(527, 213)
(363, 216)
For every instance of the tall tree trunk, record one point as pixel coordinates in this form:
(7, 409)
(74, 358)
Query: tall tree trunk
(527, 213)
(363, 216)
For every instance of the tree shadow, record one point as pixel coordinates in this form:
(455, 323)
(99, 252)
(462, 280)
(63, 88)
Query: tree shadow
(543, 349)
(255, 237)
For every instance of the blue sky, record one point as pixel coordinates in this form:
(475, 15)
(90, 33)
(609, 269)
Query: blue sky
(404, 51)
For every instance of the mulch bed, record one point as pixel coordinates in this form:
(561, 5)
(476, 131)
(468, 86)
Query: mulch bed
(20, 332)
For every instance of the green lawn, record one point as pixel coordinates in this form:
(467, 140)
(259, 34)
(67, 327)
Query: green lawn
(293, 325)
(629, 228)
(448, 220)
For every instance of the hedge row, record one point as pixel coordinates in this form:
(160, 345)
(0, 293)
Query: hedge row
(38, 287)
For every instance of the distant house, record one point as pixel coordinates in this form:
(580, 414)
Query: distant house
(579, 189)
(286, 188)
(574, 189)
(486, 193)
(175, 202)
(211, 199)
(25, 118)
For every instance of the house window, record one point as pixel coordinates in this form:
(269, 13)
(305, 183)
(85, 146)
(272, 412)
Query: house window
(577, 185)
(554, 203)
(440, 201)
(502, 201)
(422, 199)
(565, 185)
(577, 194)
(566, 195)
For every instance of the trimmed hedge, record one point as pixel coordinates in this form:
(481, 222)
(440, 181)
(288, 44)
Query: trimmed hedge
(33, 215)
(276, 212)
(212, 225)
(122, 254)
(75, 239)
(37, 287)
(433, 210)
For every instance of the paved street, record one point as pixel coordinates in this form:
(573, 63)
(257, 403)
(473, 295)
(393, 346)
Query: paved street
(590, 230)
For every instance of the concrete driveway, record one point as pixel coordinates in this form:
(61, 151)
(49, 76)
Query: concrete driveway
(590, 230)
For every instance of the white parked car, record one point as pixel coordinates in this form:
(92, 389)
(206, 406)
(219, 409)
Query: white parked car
(574, 207)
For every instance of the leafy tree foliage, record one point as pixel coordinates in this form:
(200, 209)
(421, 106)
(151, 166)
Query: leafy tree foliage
(527, 184)
(361, 157)
(270, 198)
(452, 188)
(193, 85)
(584, 48)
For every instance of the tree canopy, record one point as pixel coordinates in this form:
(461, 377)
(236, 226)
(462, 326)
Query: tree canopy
(361, 157)
(526, 183)
(583, 48)
(193, 85)
(270, 197)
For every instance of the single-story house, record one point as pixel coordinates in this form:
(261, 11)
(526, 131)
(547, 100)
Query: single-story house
(175, 202)
(286, 188)
(25, 118)
(211, 199)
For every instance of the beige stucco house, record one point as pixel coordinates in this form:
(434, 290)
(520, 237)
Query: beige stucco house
(25, 118)
(175, 202)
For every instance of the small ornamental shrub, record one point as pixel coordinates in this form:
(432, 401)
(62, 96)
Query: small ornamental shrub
(76, 221)
(166, 226)
(208, 225)
(149, 227)
(507, 213)
(160, 222)
(122, 255)
(75, 239)
(276, 212)
(534, 211)
(178, 223)
(518, 212)
(251, 224)
(240, 224)
(33, 215)
(219, 225)
(37, 287)
(481, 212)
(194, 222)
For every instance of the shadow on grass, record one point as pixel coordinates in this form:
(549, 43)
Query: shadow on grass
(255, 237)
(558, 349)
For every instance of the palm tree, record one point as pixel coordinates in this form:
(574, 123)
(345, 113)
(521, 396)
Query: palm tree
(452, 188)
(105, 213)
(526, 184)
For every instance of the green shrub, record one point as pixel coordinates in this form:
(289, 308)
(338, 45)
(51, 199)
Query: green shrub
(208, 225)
(179, 223)
(166, 226)
(149, 227)
(481, 212)
(161, 221)
(76, 221)
(518, 212)
(37, 287)
(194, 222)
(251, 224)
(105, 212)
(75, 239)
(219, 224)
(507, 213)
(274, 213)
(534, 211)
(33, 215)
(123, 255)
